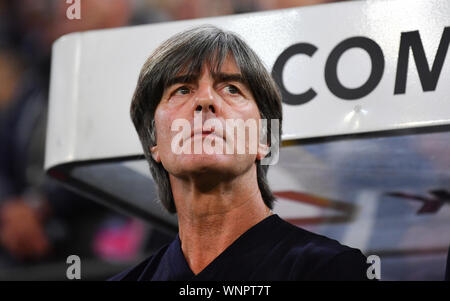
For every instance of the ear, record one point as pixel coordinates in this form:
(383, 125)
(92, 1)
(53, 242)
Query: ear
(155, 153)
(263, 150)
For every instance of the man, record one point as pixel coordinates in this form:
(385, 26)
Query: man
(227, 230)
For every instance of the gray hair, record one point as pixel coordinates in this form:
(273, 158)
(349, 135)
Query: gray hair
(187, 52)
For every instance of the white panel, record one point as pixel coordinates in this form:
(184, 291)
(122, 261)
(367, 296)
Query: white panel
(94, 74)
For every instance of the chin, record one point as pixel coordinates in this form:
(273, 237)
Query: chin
(205, 161)
(215, 164)
(204, 164)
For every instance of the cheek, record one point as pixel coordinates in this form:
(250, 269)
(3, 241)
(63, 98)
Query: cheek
(245, 111)
(247, 141)
(251, 113)
(163, 124)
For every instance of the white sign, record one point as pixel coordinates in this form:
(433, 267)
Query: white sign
(343, 68)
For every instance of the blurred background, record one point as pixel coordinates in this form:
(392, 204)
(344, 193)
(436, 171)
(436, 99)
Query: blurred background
(41, 223)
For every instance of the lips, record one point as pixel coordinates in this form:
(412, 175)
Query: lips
(205, 133)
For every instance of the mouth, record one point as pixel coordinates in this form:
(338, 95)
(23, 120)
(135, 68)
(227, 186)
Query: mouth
(205, 133)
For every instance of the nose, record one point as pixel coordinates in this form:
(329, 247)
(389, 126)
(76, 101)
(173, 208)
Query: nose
(205, 101)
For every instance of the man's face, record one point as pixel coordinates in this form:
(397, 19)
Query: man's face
(207, 104)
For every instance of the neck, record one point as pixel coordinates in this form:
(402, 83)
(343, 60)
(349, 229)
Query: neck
(210, 221)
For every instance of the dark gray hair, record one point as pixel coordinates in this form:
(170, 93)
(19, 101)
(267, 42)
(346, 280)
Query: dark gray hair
(187, 52)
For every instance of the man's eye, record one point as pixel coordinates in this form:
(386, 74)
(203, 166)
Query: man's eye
(232, 89)
(182, 91)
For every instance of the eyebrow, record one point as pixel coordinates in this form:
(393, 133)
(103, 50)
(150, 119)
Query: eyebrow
(218, 77)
